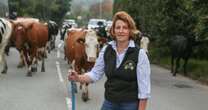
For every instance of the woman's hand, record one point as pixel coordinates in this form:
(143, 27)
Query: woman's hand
(142, 104)
(73, 75)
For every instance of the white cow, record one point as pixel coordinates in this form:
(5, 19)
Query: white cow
(5, 34)
(144, 42)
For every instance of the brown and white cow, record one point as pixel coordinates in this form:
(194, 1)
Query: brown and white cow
(24, 21)
(81, 50)
(28, 39)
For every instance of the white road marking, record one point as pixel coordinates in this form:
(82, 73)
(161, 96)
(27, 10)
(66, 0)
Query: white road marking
(69, 103)
(58, 53)
(58, 50)
(60, 44)
(68, 100)
(59, 71)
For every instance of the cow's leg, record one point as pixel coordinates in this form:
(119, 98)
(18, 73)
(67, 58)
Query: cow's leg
(34, 65)
(54, 42)
(21, 62)
(80, 86)
(48, 46)
(172, 64)
(43, 60)
(7, 49)
(34, 59)
(45, 55)
(177, 66)
(185, 67)
(85, 93)
(29, 72)
(43, 65)
(75, 66)
(84, 87)
(65, 54)
(4, 71)
(27, 63)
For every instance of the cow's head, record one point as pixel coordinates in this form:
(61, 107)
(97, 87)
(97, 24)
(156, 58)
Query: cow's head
(91, 45)
(19, 35)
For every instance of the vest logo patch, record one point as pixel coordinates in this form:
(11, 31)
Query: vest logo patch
(129, 64)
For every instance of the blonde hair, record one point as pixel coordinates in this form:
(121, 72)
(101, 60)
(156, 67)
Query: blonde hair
(122, 15)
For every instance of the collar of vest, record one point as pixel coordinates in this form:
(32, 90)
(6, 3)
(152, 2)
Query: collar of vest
(129, 49)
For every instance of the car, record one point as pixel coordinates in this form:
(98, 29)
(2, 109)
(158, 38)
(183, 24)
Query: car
(71, 22)
(94, 23)
(108, 25)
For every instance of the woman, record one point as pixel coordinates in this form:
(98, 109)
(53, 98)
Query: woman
(126, 67)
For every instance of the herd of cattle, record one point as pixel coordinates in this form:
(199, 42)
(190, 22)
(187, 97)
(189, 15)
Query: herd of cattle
(32, 38)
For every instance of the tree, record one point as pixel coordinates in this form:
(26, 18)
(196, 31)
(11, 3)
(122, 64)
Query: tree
(42, 9)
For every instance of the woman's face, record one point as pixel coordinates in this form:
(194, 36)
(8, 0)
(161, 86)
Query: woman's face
(121, 31)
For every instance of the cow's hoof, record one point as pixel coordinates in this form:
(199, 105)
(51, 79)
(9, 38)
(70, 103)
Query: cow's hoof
(42, 70)
(80, 86)
(174, 74)
(185, 74)
(4, 72)
(45, 56)
(29, 74)
(85, 97)
(20, 65)
(34, 69)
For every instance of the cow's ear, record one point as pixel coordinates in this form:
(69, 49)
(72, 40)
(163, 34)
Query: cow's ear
(81, 40)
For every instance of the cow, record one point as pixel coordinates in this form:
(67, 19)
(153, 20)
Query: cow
(63, 31)
(181, 48)
(15, 21)
(82, 49)
(52, 33)
(142, 39)
(29, 39)
(6, 28)
(144, 42)
(20, 20)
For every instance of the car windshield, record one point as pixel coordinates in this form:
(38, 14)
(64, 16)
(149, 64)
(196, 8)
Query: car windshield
(95, 21)
(70, 21)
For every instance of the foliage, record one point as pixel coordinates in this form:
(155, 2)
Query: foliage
(42, 9)
(162, 19)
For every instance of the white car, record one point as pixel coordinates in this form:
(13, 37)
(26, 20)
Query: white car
(70, 22)
(93, 23)
(108, 25)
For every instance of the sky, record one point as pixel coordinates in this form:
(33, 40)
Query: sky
(3, 2)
